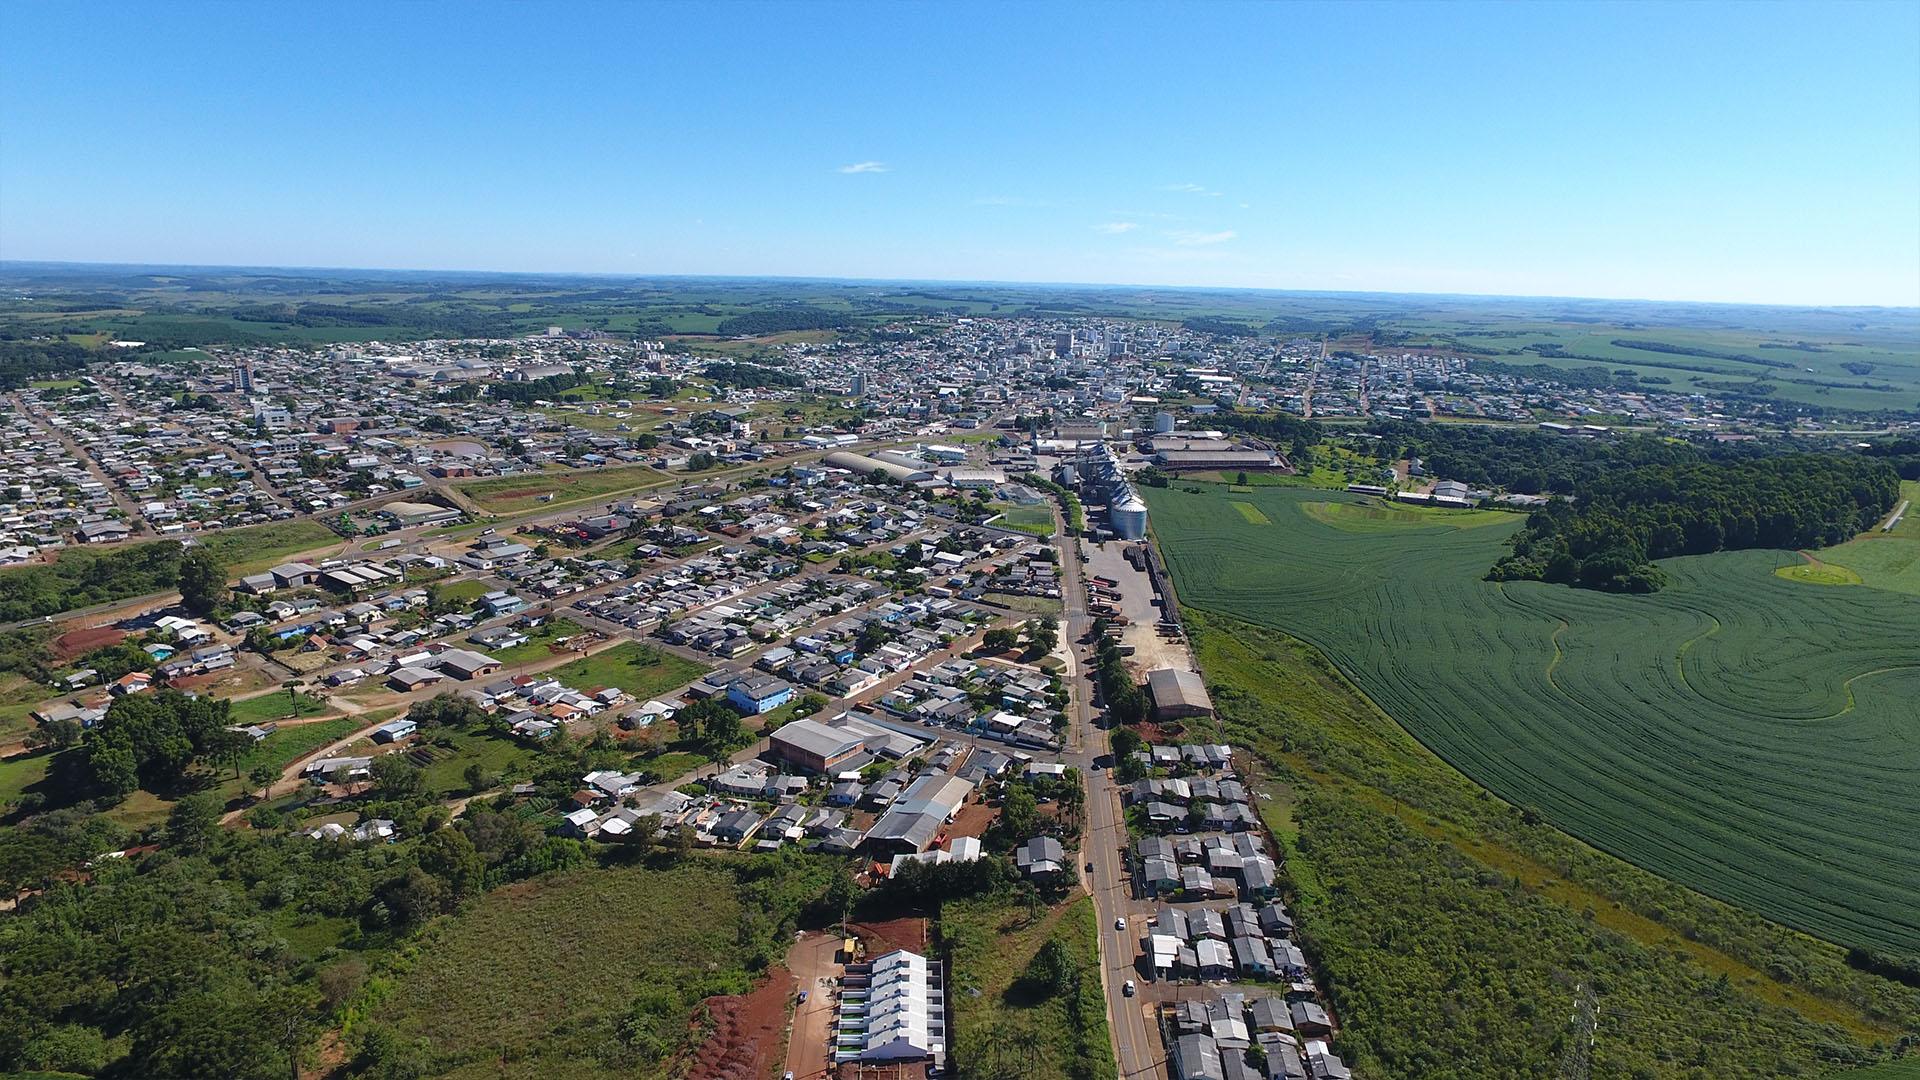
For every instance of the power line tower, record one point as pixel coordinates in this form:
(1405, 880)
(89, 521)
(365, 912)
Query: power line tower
(1578, 1060)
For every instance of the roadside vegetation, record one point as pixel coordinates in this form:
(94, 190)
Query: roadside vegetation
(1027, 998)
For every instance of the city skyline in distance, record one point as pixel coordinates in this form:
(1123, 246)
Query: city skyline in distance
(1662, 153)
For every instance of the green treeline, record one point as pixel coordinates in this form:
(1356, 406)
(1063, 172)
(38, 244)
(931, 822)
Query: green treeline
(1620, 522)
(1685, 350)
(1902, 454)
(1282, 429)
(543, 389)
(1218, 327)
(81, 577)
(1531, 462)
(759, 323)
(21, 362)
(750, 376)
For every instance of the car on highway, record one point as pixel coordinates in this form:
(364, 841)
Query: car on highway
(1127, 988)
(1089, 868)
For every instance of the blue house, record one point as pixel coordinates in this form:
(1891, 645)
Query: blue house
(759, 694)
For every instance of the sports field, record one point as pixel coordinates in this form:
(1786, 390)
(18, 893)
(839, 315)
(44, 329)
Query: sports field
(1753, 737)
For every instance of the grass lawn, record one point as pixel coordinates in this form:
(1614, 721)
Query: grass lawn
(20, 772)
(1815, 572)
(497, 755)
(463, 592)
(268, 708)
(640, 669)
(1036, 605)
(996, 1002)
(538, 642)
(668, 764)
(509, 494)
(18, 697)
(257, 547)
(535, 979)
(286, 746)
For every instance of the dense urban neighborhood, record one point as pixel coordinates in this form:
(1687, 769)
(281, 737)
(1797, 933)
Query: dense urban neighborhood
(865, 639)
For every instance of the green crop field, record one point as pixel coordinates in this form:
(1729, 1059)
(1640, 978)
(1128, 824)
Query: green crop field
(1747, 735)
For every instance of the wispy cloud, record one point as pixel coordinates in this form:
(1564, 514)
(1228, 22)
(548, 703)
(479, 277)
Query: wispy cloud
(865, 167)
(1192, 238)
(1193, 189)
(1115, 228)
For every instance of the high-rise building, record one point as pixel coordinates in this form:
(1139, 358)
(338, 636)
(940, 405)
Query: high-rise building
(1063, 344)
(1116, 347)
(243, 377)
(859, 388)
(1162, 422)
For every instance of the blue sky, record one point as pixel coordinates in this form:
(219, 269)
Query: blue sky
(1765, 153)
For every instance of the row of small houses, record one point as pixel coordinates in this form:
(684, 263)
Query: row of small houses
(1222, 866)
(1205, 945)
(1236, 1036)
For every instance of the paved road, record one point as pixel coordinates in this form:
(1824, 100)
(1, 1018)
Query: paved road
(1136, 1044)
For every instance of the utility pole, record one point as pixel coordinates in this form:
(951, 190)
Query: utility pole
(1578, 1060)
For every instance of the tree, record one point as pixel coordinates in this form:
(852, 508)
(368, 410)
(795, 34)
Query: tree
(228, 748)
(396, 778)
(192, 822)
(476, 778)
(447, 854)
(262, 776)
(999, 640)
(203, 583)
(1044, 635)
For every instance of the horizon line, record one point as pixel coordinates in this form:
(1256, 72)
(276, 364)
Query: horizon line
(830, 279)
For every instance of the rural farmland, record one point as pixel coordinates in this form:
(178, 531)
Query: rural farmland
(1744, 734)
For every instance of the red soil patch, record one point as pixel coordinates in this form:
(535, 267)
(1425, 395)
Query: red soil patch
(1170, 732)
(884, 937)
(746, 1040)
(973, 819)
(75, 643)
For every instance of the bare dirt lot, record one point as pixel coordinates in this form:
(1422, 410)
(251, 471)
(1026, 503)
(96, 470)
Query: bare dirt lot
(973, 819)
(814, 969)
(747, 1037)
(884, 937)
(76, 643)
